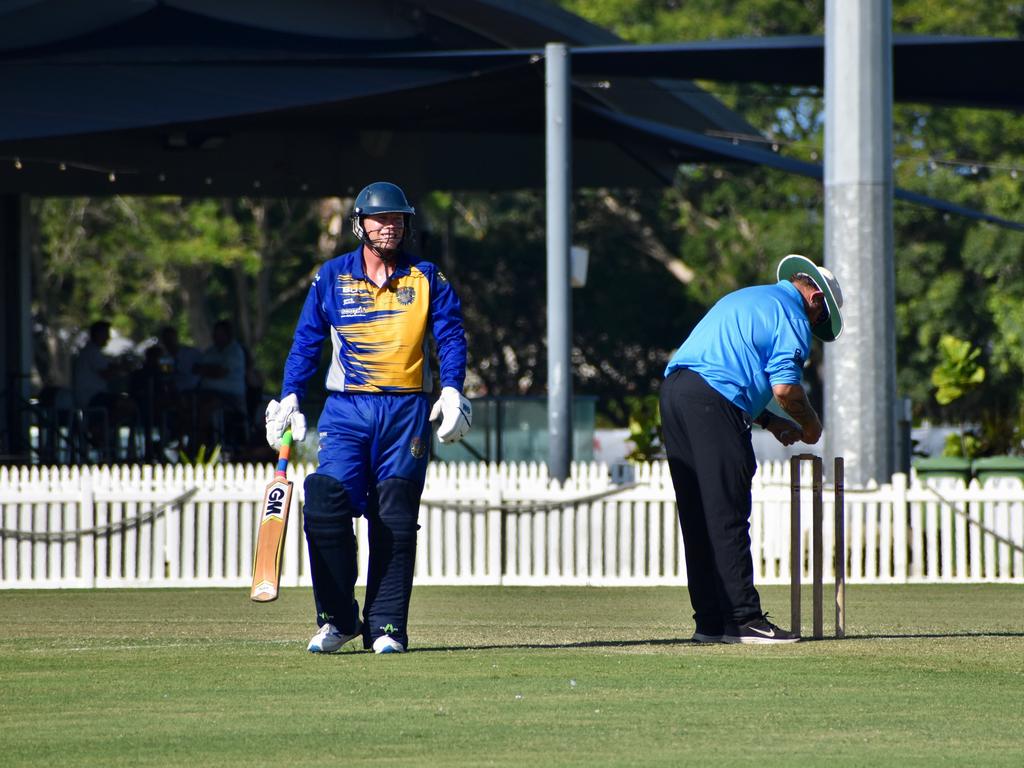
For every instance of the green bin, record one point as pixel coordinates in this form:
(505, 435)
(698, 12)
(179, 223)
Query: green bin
(999, 466)
(943, 466)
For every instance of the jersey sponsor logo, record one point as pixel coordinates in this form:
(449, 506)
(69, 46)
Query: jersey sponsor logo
(352, 312)
(406, 295)
(798, 357)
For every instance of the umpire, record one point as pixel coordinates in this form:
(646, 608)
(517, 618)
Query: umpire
(750, 347)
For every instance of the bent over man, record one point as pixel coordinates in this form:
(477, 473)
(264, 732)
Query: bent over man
(377, 305)
(748, 348)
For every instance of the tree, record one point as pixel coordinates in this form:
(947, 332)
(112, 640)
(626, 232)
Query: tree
(146, 262)
(953, 276)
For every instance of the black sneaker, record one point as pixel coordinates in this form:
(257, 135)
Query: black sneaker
(758, 631)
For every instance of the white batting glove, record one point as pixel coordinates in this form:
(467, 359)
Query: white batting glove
(284, 415)
(456, 415)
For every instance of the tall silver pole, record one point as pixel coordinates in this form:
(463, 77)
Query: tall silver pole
(860, 368)
(559, 190)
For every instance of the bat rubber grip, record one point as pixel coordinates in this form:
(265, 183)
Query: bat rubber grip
(283, 454)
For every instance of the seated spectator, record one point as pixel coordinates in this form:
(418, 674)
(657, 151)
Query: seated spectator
(255, 396)
(152, 389)
(95, 375)
(183, 360)
(221, 371)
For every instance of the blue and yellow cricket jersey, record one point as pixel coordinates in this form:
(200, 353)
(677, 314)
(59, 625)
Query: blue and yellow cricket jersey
(379, 334)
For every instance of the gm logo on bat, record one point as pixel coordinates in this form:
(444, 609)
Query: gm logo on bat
(275, 502)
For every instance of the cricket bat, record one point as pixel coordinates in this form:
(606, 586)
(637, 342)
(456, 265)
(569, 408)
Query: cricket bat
(266, 563)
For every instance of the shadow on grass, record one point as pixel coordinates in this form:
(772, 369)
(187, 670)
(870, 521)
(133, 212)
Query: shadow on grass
(929, 635)
(552, 646)
(688, 642)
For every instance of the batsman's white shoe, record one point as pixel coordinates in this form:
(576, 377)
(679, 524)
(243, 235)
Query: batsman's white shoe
(329, 639)
(387, 644)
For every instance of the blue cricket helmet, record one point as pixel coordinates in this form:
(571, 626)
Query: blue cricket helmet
(380, 197)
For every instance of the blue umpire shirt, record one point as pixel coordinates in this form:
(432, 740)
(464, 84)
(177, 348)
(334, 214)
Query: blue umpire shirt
(749, 341)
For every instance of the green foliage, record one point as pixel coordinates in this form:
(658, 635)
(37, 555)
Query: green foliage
(653, 21)
(129, 259)
(1002, 429)
(965, 445)
(644, 424)
(143, 263)
(957, 374)
(958, 371)
(200, 458)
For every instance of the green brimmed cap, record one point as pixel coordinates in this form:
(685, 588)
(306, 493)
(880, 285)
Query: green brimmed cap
(795, 264)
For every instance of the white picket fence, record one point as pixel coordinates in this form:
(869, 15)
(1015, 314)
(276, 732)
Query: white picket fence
(486, 524)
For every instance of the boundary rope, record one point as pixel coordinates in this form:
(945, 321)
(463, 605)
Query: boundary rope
(120, 525)
(529, 506)
(997, 536)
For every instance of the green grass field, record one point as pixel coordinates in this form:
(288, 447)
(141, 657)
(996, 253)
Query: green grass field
(930, 675)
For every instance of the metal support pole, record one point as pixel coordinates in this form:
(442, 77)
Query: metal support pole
(860, 368)
(559, 221)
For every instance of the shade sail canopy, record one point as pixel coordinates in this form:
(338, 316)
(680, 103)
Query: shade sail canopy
(312, 98)
(957, 71)
(727, 151)
(224, 98)
(961, 71)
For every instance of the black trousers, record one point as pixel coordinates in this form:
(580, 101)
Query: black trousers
(711, 459)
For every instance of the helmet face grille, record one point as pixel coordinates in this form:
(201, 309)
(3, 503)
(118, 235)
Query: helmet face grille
(381, 197)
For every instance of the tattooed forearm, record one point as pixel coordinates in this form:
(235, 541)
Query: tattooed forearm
(794, 402)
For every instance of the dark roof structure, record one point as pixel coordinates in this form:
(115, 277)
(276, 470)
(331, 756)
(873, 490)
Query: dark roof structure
(953, 71)
(288, 98)
(314, 98)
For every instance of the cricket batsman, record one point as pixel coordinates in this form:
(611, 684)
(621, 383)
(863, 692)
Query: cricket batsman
(748, 349)
(378, 306)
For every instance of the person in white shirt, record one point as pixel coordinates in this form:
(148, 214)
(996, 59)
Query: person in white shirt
(221, 371)
(183, 359)
(94, 375)
(94, 369)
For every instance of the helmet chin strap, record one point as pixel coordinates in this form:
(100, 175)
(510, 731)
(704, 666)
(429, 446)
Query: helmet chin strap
(387, 256)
